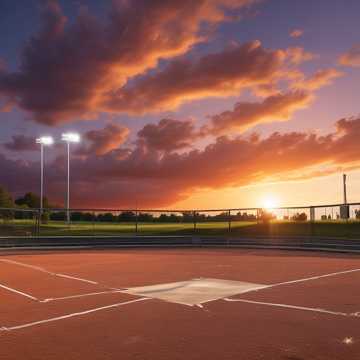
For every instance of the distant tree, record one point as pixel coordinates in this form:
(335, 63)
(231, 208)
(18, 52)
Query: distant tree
(357, 214)
(174, 218)
(86, 216)
(224, 216)
(5, 198)
(299, 217)
(58, 216)
(76, 216)
(127, 216)
(188, 216)
(145, 217)
(266, 216)
(244, 217)
(163, 218)
(6, 202)
(106, 217)
(32, 201)
(21, 214)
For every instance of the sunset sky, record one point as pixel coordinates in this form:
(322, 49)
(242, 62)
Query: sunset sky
(181, 103)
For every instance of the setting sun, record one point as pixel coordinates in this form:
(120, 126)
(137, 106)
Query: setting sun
(270, 202)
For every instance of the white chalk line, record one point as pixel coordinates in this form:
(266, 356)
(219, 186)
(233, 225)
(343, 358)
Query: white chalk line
(82, 295)
(76, 278)
(19, 292)
(313, 278)
(63, 317)
(294, 307)
(38, 268)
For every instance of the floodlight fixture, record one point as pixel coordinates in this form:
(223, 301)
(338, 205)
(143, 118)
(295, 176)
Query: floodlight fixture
(45, 140)
(70, 137)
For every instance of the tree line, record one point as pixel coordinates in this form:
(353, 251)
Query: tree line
(32, 201)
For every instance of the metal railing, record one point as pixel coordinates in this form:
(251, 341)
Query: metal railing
(335, 220)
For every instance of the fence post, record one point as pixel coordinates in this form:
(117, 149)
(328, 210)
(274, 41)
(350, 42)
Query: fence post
(194, 218)
(38, 223)
(136, 222)
(312, 219)
(229, 220)
(93, 222)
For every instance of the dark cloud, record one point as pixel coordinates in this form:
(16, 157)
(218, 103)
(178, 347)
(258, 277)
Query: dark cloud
(168, 135)
(151, 179)
(279, 107)
(68, 70)
(102, 141)
(220, 74)
(21, 143)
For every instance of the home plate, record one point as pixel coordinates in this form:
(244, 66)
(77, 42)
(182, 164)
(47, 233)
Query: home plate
(195, 291)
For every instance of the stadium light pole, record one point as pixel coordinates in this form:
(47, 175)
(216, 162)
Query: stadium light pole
(43, 141)
(69, 138)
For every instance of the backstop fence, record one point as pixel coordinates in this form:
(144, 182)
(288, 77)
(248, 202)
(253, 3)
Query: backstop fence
(335, 220)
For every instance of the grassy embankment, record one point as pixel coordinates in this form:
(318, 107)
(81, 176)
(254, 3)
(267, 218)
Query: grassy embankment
(350, 229)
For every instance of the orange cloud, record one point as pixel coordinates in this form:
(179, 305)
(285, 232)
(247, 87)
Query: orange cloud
(298, 55)
(279, 107)
(220, 74)
(296, 33)
(104, 140)
(319, 79)
(152, 179)
(68, 71)
(351, 57)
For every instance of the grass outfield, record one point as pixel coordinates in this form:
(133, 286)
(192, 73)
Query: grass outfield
(349, 229)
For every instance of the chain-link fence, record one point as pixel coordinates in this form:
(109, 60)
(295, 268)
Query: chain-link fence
(19, 222)
(336, 220)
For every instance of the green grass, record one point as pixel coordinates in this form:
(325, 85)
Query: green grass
(349, 229)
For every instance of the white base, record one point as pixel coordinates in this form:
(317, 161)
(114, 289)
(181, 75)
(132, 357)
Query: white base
(195, 291)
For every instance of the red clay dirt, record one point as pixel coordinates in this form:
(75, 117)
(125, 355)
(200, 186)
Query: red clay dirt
(155, 329)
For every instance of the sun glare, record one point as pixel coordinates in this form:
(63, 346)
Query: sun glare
(270, 202)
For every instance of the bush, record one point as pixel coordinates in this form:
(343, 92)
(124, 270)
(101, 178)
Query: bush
(357, 214)
(266, 216)
(299, 217)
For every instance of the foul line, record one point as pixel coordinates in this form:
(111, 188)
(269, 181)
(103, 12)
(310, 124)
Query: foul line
(63, 317)
(19, 292)
(314, 278)
(76, 278)
(294, 307)
(48, 272)
(81, 295)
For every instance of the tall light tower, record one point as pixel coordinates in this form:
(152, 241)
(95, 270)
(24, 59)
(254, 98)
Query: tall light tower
(43, 141)
(69, 138)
